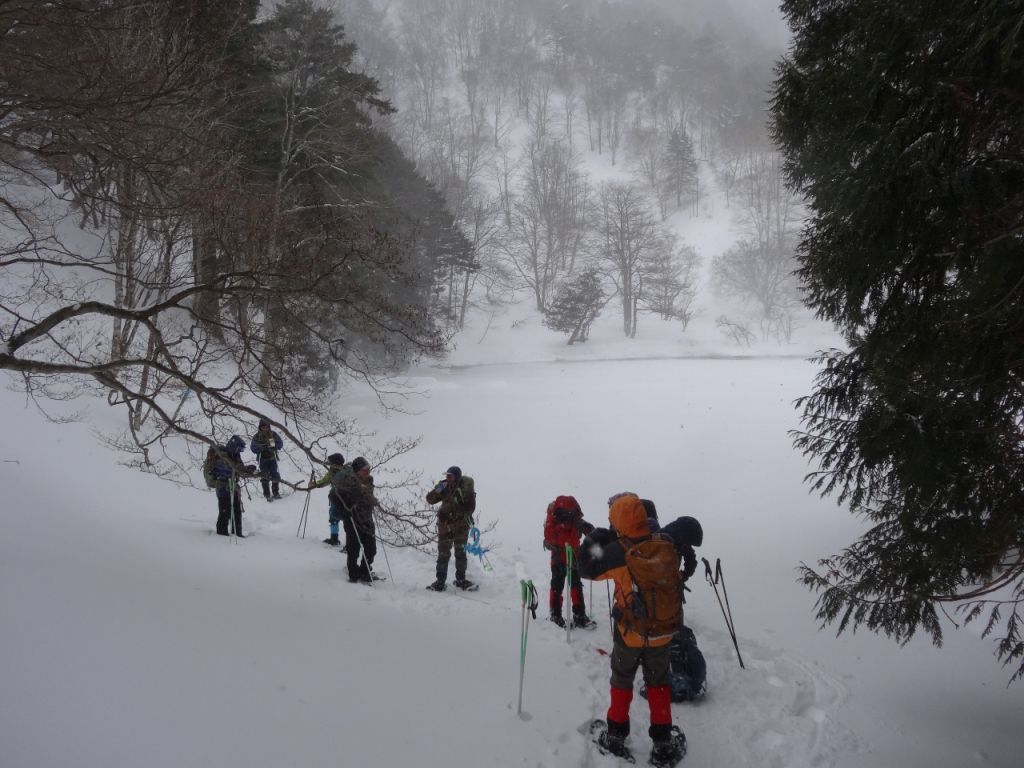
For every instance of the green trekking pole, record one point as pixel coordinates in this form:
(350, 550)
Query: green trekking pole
(568, 593)
(529, 598)
(234, 527)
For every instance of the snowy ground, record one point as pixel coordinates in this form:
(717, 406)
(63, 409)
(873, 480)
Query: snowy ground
(131, 636)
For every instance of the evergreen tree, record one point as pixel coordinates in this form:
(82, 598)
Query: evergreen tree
(576, 306)
(903, 125)
(680, 171)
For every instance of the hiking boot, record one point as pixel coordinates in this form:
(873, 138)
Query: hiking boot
(613, 743)
(437, 586)
(464, 584)
(268, 497)
(332, 540)
(556, 618)
(582, 621)
(668, 751)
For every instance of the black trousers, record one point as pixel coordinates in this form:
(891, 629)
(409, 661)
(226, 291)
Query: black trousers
(224, 511)
(355, 541)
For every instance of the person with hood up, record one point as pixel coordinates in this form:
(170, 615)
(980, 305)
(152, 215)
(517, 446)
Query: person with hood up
(603, 556)
(563, 527)
(226, 471)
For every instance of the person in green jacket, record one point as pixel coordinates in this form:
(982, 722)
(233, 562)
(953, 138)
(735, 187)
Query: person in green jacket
(335, 462)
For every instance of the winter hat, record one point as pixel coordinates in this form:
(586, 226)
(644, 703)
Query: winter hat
(235, 444)
(336, 459)
(359, 463)
(263, 423)
(454, 471)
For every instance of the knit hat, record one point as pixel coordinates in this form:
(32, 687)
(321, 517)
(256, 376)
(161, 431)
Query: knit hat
(455, 471)
(359, 463)
(336, 459)
(263, 423)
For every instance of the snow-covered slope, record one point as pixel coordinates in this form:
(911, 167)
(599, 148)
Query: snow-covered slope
(131, 636)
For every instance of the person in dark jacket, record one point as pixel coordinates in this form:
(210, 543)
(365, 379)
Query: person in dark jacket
(265, 444)
(688, 668)
(686, 533)
(457, 495)
(353, 490)
(563, 527)
(227, 470)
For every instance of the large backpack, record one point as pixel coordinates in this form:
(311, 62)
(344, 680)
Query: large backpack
(688, 671)
(653, 607)
(466, 493)
(208, 462)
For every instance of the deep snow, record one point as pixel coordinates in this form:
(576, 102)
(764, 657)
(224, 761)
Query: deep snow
(131, 636)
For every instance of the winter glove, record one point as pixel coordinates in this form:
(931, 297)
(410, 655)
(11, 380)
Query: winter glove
(602, 536)
(439, 488)
(251, 469)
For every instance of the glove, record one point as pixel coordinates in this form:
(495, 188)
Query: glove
(439, 488)
(251, 469)
(586, 528)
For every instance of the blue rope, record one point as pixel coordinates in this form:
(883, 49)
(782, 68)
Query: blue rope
(473, 547)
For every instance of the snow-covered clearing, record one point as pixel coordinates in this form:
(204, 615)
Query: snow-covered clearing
(131, 636)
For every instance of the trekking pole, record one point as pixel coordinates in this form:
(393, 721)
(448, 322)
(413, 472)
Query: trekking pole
(231, 490)
(387, 562)
(362, 549)
(611, 624)
(529, 598)
(714, 581)
(304, 517)
(568, 592)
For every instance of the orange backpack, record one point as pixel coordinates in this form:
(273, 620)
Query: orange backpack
(653, 608)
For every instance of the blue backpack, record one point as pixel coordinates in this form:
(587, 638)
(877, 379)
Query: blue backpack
(687, 669)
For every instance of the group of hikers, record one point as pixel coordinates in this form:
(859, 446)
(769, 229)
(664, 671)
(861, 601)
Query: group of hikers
(351, 503)
(647, 563)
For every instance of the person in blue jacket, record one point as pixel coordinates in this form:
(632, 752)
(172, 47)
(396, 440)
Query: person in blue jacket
(265, 444)
(227, 470)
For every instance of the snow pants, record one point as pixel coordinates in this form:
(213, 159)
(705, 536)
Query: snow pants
(452, 533)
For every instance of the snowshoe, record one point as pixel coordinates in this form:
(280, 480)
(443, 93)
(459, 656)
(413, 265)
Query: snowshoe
(466, 585)
(581, 621)
(609, 745)
(669, 752)
(437, 586)
(556, 618)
